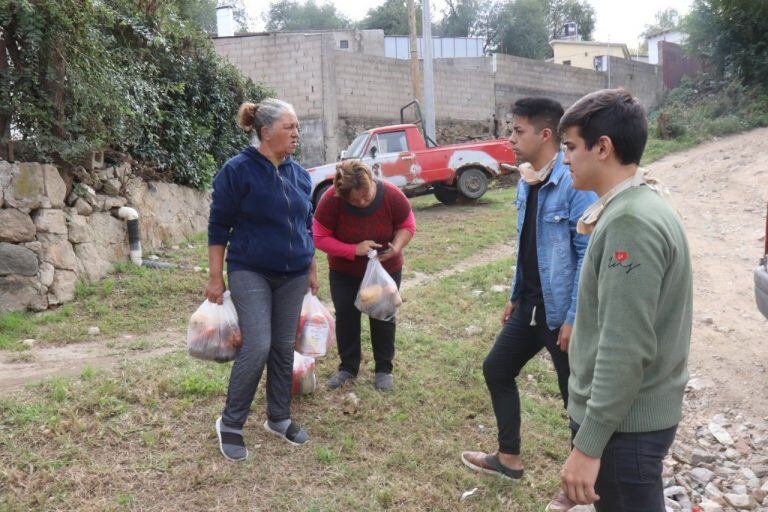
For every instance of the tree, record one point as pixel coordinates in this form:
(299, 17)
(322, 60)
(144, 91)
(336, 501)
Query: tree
(292, 15)
(560, 12)
(732, 36)
(392, 18)
(520, 28)
(666, 19)
(461, 18)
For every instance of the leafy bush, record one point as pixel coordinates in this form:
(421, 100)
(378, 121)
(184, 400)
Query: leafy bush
(134, 76)
(699, 110)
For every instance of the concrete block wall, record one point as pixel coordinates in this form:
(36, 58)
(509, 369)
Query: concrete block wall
(288, 63)
(517, 77)
(643, 80)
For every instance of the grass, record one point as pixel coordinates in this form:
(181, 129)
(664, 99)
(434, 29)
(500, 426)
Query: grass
(140, 436)
(699, 111)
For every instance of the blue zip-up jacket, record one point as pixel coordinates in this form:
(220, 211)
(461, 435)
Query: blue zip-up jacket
(560, 249)
(264, 213)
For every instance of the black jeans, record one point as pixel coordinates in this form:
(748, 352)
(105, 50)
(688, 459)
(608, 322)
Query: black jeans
(629, 479)
(343, 293)
(515, 345)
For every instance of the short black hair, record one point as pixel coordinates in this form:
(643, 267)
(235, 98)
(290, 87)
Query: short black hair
(541, 112)
(613, 113)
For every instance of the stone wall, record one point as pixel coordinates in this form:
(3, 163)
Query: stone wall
(57, 229)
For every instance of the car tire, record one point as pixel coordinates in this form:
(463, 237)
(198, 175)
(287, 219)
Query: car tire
(319, 192)
(472, 183)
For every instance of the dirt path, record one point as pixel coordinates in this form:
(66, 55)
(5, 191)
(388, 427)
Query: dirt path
(484, 257)
(721, 190)
(70, 360)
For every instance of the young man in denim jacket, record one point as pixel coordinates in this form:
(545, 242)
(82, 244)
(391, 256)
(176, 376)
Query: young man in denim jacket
(542, 307)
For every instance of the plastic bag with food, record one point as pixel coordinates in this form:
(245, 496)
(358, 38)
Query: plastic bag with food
(316, 332)
(378, 296)
(213, 333)
(304, 381)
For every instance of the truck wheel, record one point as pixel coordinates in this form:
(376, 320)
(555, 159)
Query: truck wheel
(446, 195)
(321, 189)
(473, 183)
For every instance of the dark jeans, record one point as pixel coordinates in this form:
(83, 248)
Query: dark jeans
(515, 345)
(343, 293)
(629, 479)
(268, 310)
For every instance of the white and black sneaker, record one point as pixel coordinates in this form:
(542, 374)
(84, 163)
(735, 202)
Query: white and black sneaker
(294, 434)
(231, 444)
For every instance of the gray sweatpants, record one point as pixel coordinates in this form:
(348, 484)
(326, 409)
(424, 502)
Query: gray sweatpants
(268, 310)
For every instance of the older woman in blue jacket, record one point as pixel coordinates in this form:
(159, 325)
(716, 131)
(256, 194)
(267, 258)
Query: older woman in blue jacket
(261, 216)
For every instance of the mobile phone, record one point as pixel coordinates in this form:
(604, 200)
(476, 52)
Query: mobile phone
(383, 250)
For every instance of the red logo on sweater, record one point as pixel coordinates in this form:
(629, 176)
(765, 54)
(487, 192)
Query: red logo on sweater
(621, 256)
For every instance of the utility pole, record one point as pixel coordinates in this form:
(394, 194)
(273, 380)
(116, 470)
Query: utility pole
(429, 77)
(414, 47)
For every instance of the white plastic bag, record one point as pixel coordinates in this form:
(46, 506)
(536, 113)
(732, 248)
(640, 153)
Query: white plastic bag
(304, 378)
(213, 333)
(316, 332)
(378, 296)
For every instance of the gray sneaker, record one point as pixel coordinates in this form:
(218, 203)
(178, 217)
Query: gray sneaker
(341, 378)
(384, 382)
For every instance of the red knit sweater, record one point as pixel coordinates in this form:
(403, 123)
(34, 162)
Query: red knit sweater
(378, 222)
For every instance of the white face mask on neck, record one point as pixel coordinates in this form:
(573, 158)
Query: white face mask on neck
(588, 220)
(534, 177)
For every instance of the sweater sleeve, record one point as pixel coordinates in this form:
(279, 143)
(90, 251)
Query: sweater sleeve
(326, 242)
(408, 224)
(631, 262)
(225, 206)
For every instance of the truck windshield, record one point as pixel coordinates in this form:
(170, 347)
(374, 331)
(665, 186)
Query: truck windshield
(355, 149)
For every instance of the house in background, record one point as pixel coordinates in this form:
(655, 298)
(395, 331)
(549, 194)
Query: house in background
(586, 54)
(669, 36)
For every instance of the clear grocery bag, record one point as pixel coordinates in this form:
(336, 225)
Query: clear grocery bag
(378, 296)
(316, 332)
(304, 379)
(213, 333)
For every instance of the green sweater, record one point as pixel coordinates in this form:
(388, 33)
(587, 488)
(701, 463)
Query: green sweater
(629, 348)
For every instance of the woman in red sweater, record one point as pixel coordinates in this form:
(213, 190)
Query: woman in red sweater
(357, 214)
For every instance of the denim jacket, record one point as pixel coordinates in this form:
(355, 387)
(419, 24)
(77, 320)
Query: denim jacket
(560, 249)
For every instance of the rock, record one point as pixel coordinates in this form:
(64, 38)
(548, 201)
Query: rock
(473, 330)
(739, 501)
(696, 385)
(114, 202)
(702, 475)
(499, 288)
(93, 331)
(15, 259)
(82, 206)
(50, 221)
(710, 506)
(29, 342)
(16, 226)
(742, 447)
(86, 192)
(748, 473)
(123, 172)
(105, 174)
(55, 187)
(739, 489)
(760, 470)
(672, 505)
(712, 491)
(46, 274)
(732, 454)
(63, 287)
(79, 231)
(18, 293)
(722, 435)
(26, 189)
(111, 187)
(350, 404)
(99, 201)
(58, 251)
(699, 456)
(5, 179)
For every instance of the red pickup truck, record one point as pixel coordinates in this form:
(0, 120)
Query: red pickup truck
(399, 155)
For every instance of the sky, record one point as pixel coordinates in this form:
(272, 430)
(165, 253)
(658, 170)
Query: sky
(618, 21)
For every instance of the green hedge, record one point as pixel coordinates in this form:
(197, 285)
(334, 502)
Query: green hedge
(134, 76)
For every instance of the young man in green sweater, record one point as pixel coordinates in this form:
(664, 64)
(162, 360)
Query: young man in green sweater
(629, 347)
